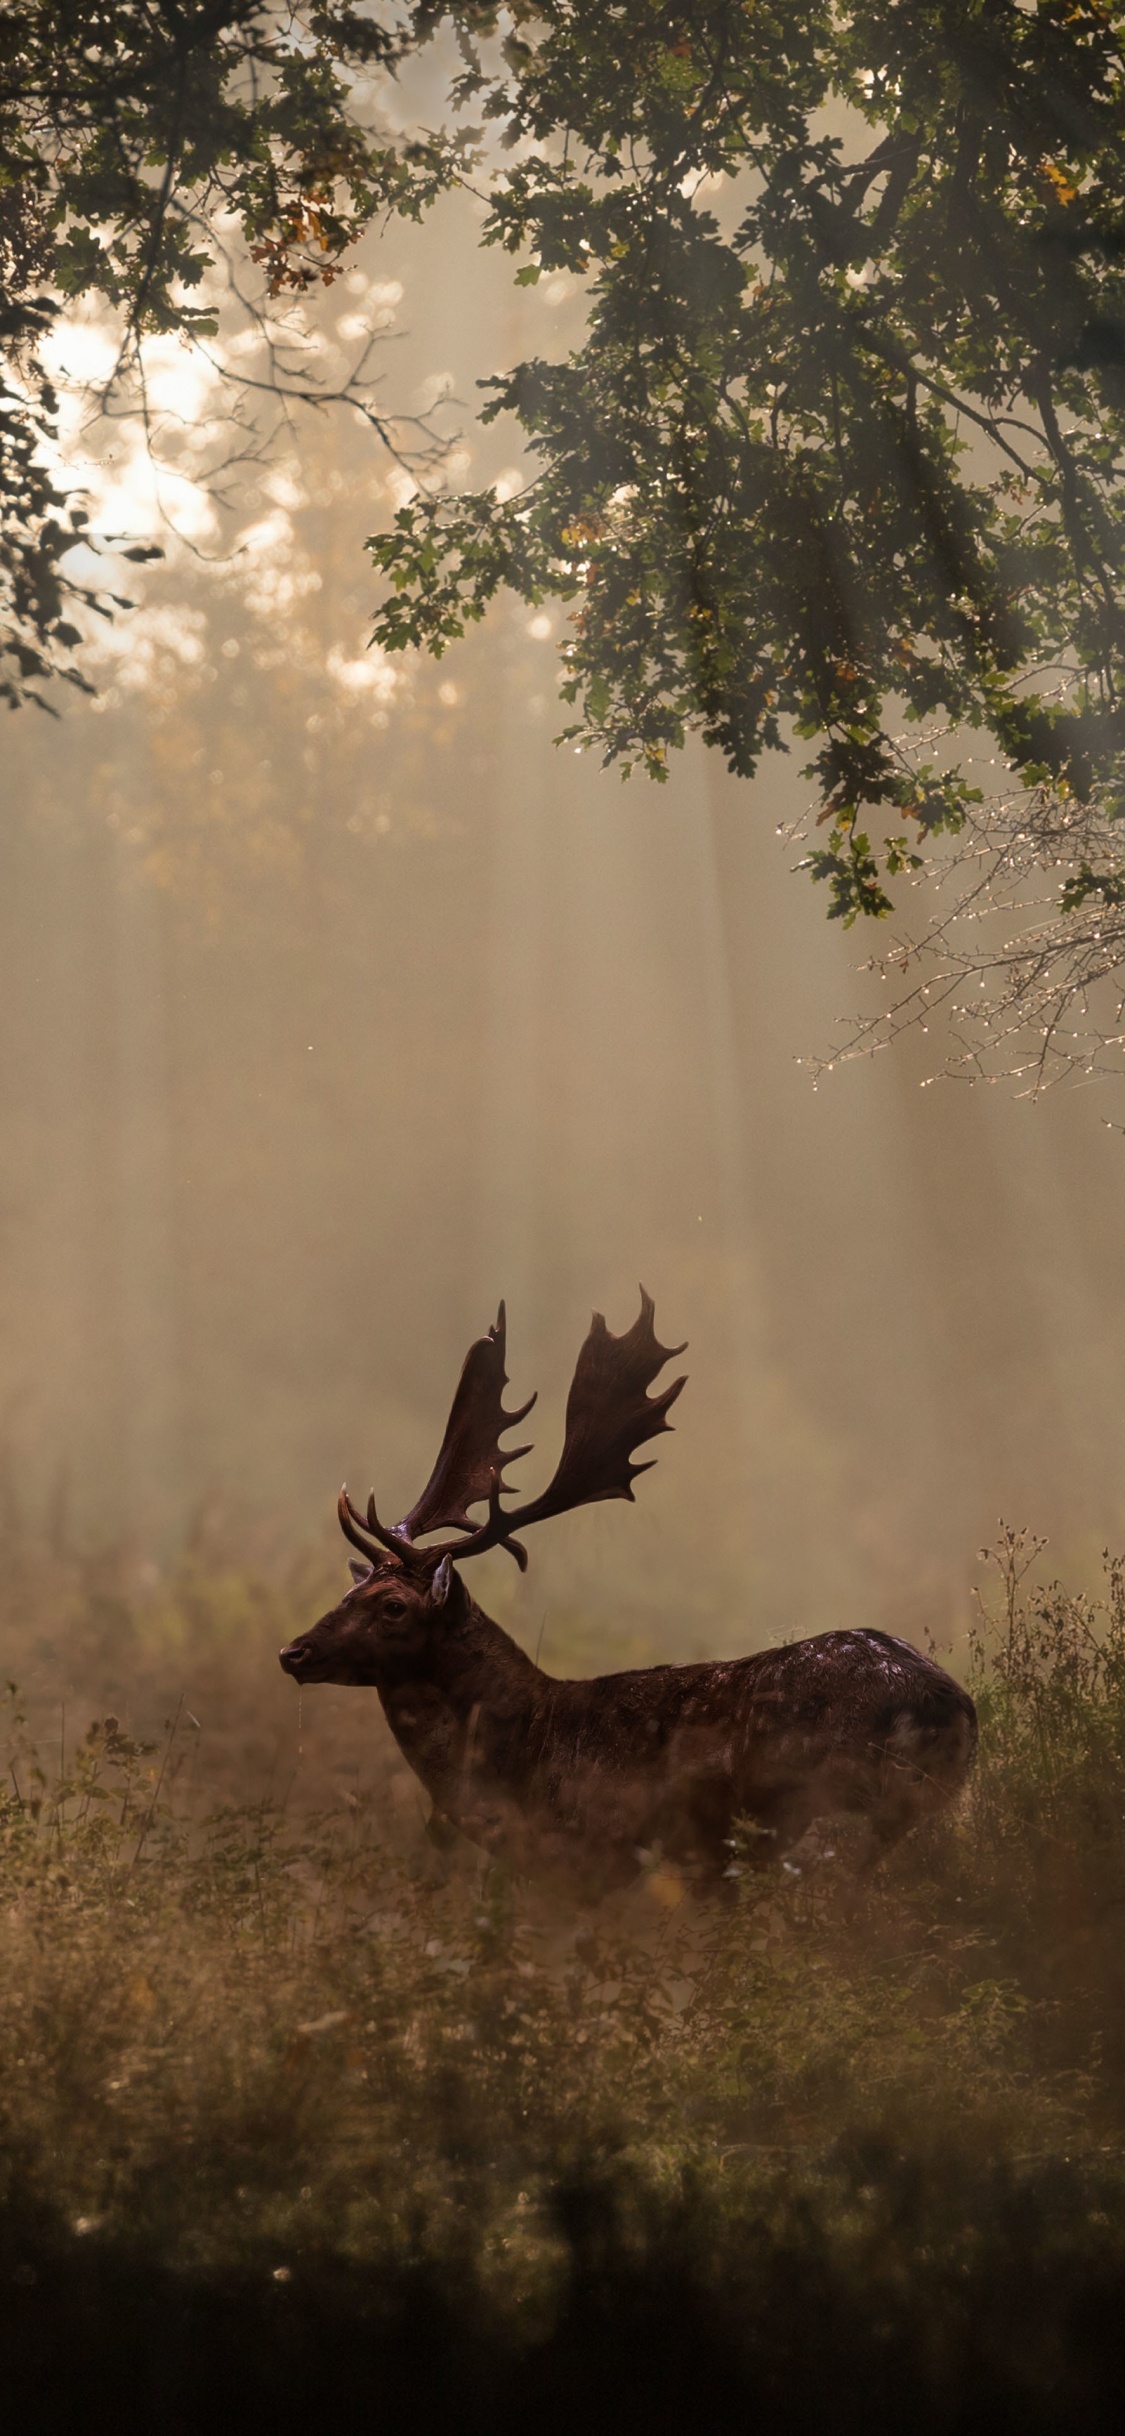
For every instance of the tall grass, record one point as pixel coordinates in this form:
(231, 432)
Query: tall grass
(332, 2098)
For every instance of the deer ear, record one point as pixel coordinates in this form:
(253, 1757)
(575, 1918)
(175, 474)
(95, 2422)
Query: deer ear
(442, 1582)
(359, 1573)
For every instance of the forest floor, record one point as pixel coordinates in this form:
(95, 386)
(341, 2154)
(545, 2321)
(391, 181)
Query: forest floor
(302, 2110)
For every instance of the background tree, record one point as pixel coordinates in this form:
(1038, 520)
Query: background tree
(147, 146)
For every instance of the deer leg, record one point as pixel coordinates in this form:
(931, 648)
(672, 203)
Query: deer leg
(906, 1799)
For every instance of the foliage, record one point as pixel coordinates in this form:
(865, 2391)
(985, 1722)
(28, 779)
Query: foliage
(129, 137)
(39, 527)
(843, 437)
(842, 440)
(868, 2132)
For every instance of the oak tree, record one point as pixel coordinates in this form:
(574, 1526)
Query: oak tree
(842, 444)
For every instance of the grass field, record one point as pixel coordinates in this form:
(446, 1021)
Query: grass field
(307, 2112)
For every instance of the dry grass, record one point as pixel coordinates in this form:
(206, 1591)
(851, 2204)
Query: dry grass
(287, 2047)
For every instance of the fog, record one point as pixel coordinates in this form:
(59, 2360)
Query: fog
(338, 1002)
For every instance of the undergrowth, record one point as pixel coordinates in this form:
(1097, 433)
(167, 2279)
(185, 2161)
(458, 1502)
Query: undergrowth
(832, 2137)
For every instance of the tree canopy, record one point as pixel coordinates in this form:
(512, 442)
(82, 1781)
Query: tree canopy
(131, 133)
(843, 440)
(842, 444)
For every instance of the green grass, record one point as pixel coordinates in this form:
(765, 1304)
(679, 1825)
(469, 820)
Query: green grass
(288, 2091)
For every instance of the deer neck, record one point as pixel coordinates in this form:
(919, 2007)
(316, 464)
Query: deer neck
(463, 1721)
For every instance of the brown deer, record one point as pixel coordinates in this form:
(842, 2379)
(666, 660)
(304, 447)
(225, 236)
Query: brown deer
(585, 1779)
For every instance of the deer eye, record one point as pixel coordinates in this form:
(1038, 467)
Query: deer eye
(394, 1608)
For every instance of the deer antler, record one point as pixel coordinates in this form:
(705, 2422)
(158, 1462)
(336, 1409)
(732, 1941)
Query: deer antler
(609, 1413)
(471, 1455)
(470, 1464)
(354, 1528)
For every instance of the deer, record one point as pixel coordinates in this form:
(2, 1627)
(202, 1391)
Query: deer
(585, 1780)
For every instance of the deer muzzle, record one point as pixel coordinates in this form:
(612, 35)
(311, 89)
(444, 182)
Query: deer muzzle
(298, 1659)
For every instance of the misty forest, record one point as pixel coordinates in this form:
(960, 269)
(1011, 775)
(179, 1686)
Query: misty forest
(562, 655)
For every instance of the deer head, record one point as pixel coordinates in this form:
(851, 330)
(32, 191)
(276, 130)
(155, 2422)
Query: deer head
(403, 1594)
